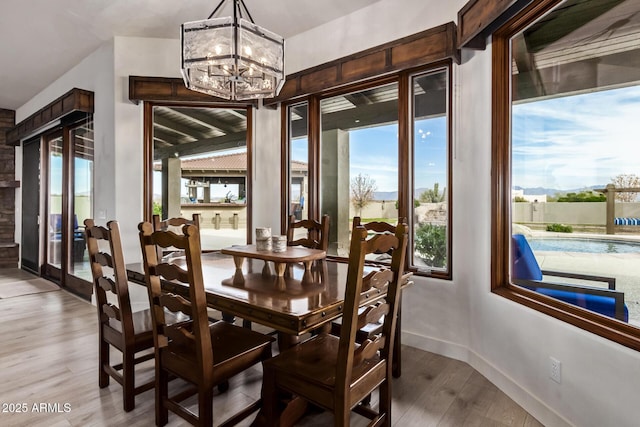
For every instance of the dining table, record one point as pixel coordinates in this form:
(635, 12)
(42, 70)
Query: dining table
(302, 300)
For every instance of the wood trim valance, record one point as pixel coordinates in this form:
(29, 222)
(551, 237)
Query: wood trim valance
(74, 101)
(479, 18)
(171, 89)
(419, 49)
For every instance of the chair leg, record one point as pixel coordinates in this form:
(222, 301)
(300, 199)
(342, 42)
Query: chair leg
(128, 380)
(342, 414)
(103, 360)
(205, 407)
(385, 402)
(162, 390)
(269, 399)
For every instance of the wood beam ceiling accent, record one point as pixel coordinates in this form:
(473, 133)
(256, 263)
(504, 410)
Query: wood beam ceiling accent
(479, 18)
(204, 119)
(76, 101)
(225, 142)
(419, 49)
(170, 89)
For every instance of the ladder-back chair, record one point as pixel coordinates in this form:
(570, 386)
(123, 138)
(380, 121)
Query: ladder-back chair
(130, 332)
(336, 373)
(205, 355)
(316, 235)
(372, 329)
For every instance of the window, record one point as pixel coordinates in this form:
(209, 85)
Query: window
(200, 164)
(298, 115)
(380, 152)
(566, 102)
(358, 160)
(431, 189)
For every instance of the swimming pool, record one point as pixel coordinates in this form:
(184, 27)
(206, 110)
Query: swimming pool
(596, 246)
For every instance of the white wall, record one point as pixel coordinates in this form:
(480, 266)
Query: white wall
(508, 343)
(94, 73)
(137, 57)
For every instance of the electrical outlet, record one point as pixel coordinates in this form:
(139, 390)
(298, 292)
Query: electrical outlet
(555, 369)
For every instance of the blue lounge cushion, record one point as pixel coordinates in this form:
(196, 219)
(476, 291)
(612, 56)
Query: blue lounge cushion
(598, 303)
(525, 265)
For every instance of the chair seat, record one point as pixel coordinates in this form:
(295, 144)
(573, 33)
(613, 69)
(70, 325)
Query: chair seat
(314, 361)
(142, 322)
(230, 343)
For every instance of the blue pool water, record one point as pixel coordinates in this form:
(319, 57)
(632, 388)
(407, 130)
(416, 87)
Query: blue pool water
(584, 245)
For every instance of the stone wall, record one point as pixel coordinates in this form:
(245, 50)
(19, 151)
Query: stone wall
(8, 247)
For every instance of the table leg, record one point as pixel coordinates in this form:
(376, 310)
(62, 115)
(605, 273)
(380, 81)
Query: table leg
(280, 268)
(238, 261)
(286, 341)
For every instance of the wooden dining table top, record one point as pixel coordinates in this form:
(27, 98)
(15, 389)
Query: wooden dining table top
(295, 304)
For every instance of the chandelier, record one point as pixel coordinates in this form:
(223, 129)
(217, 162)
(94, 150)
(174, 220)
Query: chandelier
(232, 57)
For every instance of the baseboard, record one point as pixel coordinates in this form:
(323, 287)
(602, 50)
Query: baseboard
(521, 396)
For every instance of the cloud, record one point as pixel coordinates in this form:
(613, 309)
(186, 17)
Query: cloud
(576, 141)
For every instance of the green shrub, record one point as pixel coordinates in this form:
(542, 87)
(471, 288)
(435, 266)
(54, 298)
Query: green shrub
(560, 228)
(157, 208)
(431, 244)
(583, 196)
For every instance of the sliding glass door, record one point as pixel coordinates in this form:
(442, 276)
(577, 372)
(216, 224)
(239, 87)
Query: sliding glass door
(68, 202)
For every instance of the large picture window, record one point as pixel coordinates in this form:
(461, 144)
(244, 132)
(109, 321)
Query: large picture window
(567, 227)
(358, 160)
(380, 151)
(200, 165)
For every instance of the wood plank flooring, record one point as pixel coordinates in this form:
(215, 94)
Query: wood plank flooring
(48, 358)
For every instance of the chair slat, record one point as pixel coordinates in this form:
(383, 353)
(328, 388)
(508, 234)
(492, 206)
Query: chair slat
(104, 259)
(112, 311)
(172, 272)
(368, 349)
(175, 303)
(107, 284)
(372, 314)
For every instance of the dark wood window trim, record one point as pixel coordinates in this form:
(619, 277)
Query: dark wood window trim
(611, 329)
(171, 89)
(75, 102)
(426, 47)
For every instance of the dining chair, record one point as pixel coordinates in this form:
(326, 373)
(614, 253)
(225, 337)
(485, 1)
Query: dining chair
(374, 328)
(316, 234)
(202, 354)
(173, 224)
(129, 332)
(336, 373)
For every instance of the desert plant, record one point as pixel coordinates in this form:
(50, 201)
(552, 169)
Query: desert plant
(431, 244)
(432, 195)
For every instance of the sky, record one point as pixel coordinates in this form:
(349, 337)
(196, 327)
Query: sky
(576, 141)
(374, 152)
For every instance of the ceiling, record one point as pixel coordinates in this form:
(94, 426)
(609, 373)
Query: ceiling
(42, 39)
